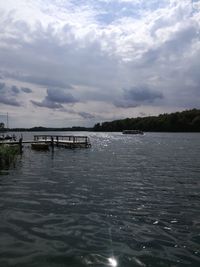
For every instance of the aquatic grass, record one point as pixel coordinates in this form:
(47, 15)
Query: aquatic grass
(8, 155)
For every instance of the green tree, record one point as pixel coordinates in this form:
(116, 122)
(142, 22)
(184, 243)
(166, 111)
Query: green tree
(185, 121)
(2, 126)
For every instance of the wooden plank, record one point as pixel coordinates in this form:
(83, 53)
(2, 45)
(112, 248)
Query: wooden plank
(59, 140)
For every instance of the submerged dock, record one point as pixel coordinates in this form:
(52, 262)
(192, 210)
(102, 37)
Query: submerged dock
(43, 142)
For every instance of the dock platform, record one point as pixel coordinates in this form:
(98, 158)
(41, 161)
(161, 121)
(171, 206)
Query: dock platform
(67, 141)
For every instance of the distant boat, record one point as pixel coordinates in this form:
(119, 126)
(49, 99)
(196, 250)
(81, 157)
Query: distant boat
(7, 137)
(132, 132)
(4, 130)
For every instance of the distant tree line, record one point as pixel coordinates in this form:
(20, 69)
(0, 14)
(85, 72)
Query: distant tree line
(51, 129)
(185, 121)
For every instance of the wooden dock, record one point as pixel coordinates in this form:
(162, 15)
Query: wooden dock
(46, 141)
(67, 141)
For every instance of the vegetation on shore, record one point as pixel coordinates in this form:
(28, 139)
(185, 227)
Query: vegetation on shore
(7, 155)
(185, 121)
(50, 129)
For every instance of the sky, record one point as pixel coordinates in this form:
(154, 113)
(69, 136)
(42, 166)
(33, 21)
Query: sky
(70, 63)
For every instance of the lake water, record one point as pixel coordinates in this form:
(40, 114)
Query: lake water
(129, 200)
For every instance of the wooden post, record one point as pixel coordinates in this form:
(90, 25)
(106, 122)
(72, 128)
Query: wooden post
(20, 145)
(52, 143)
(57, 141)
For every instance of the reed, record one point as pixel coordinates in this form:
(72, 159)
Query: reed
(8, 155)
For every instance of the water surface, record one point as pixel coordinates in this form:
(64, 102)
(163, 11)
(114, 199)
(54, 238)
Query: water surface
(129, 200)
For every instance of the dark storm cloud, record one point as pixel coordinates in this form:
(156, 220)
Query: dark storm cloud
(2, 85)
(55, 98)
(47, 104)
(177, 43)
(86, 115)
(15, 90)
(26, 90)
(141, 94)
(122, 103)
(59, 96)
(9, 101)
(182, 39)
(7, 95)
(83, 114)
(137, 96)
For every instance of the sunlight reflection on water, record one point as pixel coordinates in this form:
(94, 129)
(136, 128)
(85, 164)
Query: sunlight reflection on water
(58, 209)
(112, 262)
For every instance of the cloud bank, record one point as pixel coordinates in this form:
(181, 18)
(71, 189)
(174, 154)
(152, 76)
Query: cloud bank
(80, 62)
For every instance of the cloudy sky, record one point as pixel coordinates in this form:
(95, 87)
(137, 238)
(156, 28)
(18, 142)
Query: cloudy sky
(78, 62)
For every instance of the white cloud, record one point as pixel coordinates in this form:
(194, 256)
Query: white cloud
(92, 51)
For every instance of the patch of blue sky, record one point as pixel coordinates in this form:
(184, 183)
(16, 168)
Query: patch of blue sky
(111, 11)
(195, 5)
(152, 5)
(109, 17)
(118, 5)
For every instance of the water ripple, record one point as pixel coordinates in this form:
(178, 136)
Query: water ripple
(127, 201)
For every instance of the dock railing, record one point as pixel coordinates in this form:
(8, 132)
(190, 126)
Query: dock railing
(63, 139)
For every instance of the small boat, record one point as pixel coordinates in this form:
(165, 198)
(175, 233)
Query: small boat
(7, 137)
(132, 132)
(40, 146)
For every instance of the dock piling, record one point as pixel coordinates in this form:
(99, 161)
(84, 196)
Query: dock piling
(20, 145)
(52, 143)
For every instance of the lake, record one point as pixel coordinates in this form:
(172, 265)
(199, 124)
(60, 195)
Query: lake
(129, 200)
